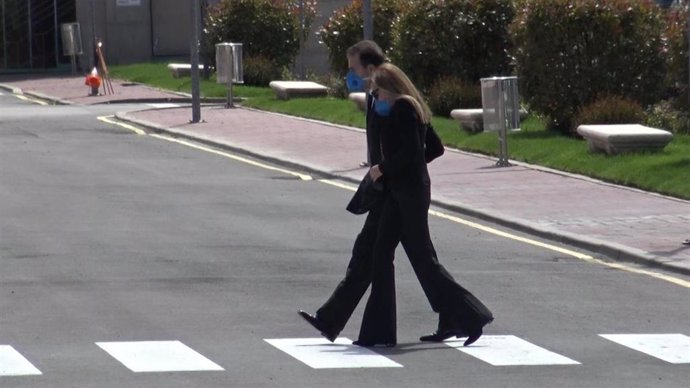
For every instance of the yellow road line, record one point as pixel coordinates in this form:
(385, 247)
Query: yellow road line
(35, 101)
(458, 220)
(109, 120)
(578, 255)
(304, 177)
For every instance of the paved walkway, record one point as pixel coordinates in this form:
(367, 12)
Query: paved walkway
(619, 222)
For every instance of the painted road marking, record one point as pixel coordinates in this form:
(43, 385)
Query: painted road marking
(12, 363)
(158, 356)
(509, 350)
(35, 101)
(673, 348)
(332, 182)
(304, 177)
(162, 105)
(109, 120)
(319, 353)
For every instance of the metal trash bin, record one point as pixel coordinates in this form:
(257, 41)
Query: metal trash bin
(501, 110)
(71, 42)
(229, 66)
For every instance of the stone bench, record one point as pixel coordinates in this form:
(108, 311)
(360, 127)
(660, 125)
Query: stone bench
(182, 69)
(472, 120)
(286, 90)
(617, 138)
(360, 99)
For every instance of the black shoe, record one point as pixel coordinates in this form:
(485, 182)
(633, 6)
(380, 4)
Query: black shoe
(440, 336)
(371, 344)
(473, 337)
(318, 325)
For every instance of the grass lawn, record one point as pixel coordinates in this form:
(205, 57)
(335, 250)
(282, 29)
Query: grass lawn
(666, 172)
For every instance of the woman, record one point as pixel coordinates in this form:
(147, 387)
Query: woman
(404, 217)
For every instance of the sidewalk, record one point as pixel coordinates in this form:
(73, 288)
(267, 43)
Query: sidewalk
(619, 222)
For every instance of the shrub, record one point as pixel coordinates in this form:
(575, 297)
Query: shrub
(665, 116)
(569, 51)
(260, 71)
(677, 56)
(463, 38)
(610, 109)
(266, 28)
(346, 27)
(450, 92)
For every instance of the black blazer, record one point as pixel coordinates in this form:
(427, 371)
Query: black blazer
(402, 133)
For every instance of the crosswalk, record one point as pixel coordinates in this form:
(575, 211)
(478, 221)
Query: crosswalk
(318, 353)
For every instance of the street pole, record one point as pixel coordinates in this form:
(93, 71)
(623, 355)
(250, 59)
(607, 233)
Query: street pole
(368, 22)
(194, 53)
(92, 46)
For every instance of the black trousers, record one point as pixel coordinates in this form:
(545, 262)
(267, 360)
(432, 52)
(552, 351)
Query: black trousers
(341, 304)
(404, 217)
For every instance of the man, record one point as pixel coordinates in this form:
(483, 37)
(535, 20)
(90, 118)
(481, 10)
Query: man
(330, 319)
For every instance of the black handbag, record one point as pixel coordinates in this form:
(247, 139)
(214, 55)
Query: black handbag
(433, 146)
(368, 195)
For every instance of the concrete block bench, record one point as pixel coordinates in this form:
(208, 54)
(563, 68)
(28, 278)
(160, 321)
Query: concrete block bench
(286, 90)
(472, 120)
(182, 69)
(617, 138)
(360, 99)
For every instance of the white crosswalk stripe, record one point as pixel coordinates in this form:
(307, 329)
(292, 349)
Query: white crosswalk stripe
(673, 348)
(12, 363)
(158, 356)
(504, 350)
(318, 353)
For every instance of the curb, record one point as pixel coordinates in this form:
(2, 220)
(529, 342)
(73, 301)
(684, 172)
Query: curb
(615, 252)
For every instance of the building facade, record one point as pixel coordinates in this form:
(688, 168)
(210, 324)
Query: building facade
(130, 30)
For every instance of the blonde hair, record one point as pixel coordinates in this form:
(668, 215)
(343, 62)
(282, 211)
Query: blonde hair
(391, 78)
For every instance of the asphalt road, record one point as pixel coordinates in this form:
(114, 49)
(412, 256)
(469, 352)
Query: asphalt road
(109, 237)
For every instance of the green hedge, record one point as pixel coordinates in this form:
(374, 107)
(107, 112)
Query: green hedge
(677, 57)
(463, 38)
(266, 28)
(346, 27)
(569, 51)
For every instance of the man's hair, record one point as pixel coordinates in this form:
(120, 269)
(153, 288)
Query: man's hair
(368, 51)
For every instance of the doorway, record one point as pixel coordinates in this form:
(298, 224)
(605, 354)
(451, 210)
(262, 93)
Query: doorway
(29, 33)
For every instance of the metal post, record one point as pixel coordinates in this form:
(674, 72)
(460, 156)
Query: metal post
(4, 35)
(687, 7)
(31, 35)
(92, 45)
(55, 26)
(194, 52)
(503, 129)
(231, 74)
(301, 40)
(368, 20)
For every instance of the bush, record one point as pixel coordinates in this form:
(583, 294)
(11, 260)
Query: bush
(463, 38)
(260, 71)
(346, 27)
(677, 56)
(266, 28)
(610, 109)
(664, 115)
(450, 92)
(569, 51)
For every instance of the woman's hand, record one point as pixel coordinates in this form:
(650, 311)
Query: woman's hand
(375, 173)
